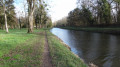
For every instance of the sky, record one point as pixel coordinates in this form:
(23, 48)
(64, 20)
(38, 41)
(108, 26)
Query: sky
(61, 8)
(19, 7)
(57, 8)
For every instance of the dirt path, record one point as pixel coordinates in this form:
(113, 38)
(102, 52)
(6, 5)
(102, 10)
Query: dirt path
(46, 55)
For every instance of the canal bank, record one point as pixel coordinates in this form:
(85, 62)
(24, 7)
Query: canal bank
(107, 30)
(38, 49)
(99, 49)
(61, 54)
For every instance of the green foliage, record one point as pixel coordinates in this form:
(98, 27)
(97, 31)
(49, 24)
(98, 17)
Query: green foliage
(106, 11)
(40, 15)
(61, 22)
(79, 17)
(118, 1)
(91, 13)
(74, 17)
(49, 23)
(87, 17)
(8, 4)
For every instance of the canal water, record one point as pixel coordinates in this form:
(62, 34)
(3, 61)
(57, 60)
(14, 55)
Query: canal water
(101, 49)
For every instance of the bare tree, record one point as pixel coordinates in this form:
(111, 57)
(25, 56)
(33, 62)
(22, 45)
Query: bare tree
(3, 2)
(31, 9)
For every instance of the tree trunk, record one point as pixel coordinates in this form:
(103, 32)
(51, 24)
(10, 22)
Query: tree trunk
(36, 25)
(2, 27)
(20, 23)
(40, 25)
(6, 26)
(31, 9)
(40, 22)
(5, 16)
(30, 25)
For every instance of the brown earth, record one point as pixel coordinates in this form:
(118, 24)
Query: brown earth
(46, 55)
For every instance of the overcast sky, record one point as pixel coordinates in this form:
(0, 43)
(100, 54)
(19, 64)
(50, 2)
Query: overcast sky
(61, 8)
(57, 8)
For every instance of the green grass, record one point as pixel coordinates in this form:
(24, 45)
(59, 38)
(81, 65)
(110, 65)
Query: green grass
(91, 28)
(18, 31)
(107, 30)
(61, 55)
(13, 39)
(19, 49)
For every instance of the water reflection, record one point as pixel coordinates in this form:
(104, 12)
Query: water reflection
(100, 49)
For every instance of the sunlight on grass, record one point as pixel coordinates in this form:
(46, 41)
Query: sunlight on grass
(13, 39)
(19, 49)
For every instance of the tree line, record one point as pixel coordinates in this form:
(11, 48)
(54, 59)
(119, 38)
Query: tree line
(61, 22)
(95, 13)
(36, 15)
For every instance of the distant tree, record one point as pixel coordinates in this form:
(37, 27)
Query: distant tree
(7, 7)
(79, 17)
(87, 17)
(36, 20)
(117, 8)
(1, 18)
(74, 17)
(49, 23)
(106, 11)
(2, 21)
(41, 14)
(61, 22)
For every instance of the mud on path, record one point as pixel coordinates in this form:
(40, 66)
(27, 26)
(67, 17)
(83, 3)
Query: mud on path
(46, 55)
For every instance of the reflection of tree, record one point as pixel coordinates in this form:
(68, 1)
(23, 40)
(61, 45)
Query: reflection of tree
(101, 48)
(81, 42)
(114, 52)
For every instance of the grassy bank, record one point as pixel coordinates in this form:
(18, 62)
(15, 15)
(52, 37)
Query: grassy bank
(108, 30)
(61, 55)
(19, 49)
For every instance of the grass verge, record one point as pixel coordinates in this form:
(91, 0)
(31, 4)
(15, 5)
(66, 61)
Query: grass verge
(19, 49)
(61, 55)
(107, 30)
